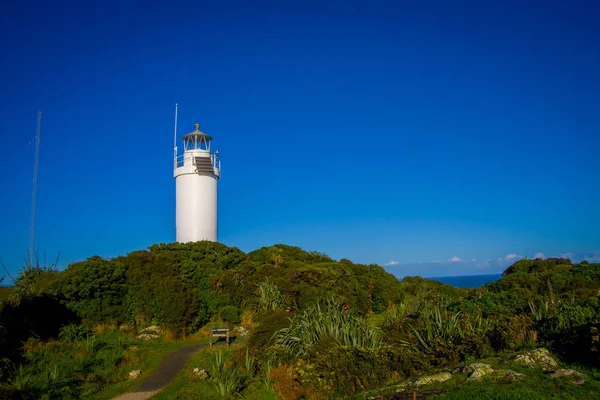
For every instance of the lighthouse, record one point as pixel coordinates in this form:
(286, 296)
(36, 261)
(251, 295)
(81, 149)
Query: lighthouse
(197, 171)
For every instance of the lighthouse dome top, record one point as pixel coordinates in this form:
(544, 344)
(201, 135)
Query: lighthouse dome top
(197, 132)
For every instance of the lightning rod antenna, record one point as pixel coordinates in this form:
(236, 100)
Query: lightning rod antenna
(175, 136)
(36, 160)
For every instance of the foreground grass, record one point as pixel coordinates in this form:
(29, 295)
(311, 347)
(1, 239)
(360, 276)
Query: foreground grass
(187, 385)
(83, 365)
(535, 385)
(150, 356)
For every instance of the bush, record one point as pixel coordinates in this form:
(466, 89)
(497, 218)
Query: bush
(286, 387)
(262, 334)
(344, 370)
(230, 314)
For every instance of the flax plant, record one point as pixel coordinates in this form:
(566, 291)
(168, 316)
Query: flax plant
(319, 323)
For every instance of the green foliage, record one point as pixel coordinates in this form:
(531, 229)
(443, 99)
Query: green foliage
(321, 324)
(75, 368)
(392, 328)
(228, 380)
(73, 333)
(93, 288)
(20, 378)
(269, 297)
(33, 279)
(230, 314)
(344, 370)
(261, 335)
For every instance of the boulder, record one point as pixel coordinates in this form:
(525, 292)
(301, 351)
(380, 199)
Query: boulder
(134, 374)
(477, 371)
(201, 373)
(147, 336)
(153, 330)
(538, 358)
(149, 333)
(426, 380)
(509, 375)
(241, 331)
(577, 377)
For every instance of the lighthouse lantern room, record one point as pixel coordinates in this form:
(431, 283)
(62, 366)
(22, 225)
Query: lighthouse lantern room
(196, 173)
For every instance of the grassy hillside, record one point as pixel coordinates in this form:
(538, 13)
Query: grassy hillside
(319, 327)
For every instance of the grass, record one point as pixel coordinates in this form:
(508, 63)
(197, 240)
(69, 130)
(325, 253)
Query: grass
(187, 385)
(535, 385)
(150, 355)
(84, 365)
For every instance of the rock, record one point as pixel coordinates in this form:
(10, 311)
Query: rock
(149, 333)
(578, 377)
(153, 330)
(426, 380)
(538, 358)
(457, 370)
(147, 336)
(477, 371)
(134, 374)
(510, 375)
(241, 331)
(469, 369)
(201, 373)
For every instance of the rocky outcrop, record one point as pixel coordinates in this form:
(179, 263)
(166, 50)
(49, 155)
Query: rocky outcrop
(577, 377)
(509, 375)
(477, 371)
(538, 358)
(426, 380)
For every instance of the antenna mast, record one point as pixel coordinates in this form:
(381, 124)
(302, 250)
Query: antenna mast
(36, 160)
(175, 138)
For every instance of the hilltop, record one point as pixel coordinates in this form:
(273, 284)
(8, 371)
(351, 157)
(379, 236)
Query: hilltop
(310, 319)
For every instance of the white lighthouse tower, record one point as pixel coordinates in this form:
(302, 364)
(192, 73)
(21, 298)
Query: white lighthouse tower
(197, 171)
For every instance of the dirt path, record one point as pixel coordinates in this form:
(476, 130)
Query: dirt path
(166, 371)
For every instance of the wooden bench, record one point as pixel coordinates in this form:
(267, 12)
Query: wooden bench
(219, 332)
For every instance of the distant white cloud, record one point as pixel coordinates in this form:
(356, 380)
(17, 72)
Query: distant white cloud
(393, 262)
(592, 257)
(568, 255)
(450, 260)
(455, 266)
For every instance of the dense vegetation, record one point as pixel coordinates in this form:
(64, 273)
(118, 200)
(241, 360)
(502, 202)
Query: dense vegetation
(319, 327)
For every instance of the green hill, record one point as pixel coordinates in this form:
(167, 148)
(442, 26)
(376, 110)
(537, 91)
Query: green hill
(306, 310)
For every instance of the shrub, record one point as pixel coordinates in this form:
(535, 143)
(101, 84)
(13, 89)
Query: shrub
(230, 314)
(262, 334)
(286, 387)
(345, 370)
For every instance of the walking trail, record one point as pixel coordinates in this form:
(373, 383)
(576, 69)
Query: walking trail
(166, 371)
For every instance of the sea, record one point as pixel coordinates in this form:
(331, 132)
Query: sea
(467, 281)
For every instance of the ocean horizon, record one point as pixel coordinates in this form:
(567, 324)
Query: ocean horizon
(467, 281)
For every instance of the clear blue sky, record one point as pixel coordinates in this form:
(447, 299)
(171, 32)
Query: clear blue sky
(396, 133)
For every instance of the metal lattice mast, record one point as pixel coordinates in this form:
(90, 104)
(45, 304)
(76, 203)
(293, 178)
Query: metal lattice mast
(34, 187)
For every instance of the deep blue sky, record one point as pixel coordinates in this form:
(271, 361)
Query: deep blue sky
(400, 133)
